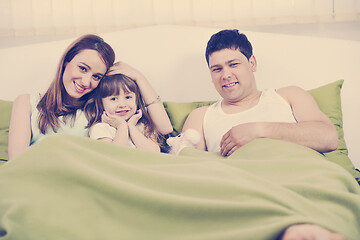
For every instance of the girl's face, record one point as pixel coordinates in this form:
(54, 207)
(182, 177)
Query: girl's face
(123, 105)
(83, 73)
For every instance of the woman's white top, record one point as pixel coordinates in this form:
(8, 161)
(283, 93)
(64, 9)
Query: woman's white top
(78, 128)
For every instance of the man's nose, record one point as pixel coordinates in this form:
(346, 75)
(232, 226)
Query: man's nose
(226, 73)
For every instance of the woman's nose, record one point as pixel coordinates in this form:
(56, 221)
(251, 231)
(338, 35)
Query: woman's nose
(86, 81)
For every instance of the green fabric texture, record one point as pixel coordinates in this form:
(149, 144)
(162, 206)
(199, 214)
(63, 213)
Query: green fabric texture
(328, 98)
(68, 187)
(5, 113)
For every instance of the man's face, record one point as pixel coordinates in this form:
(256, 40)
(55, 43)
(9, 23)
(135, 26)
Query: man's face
(232, 74)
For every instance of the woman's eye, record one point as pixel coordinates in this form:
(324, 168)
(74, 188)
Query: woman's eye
(83, 69)
(97, 77)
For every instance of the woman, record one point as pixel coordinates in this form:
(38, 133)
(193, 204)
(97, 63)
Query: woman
(34, 116)
(60, 109)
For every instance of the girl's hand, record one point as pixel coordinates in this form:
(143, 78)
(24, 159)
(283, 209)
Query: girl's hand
(135, 118)
(125, 69)
(112, 120)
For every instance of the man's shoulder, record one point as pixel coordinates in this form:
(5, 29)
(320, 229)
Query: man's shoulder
(290, 91)
(200, 110)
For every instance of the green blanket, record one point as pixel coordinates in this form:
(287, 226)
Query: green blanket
(67, 187)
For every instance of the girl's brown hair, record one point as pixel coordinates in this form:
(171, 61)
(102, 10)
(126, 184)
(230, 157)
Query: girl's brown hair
(110, 86)
(54, 104)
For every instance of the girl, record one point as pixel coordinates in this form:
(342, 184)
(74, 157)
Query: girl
(59, 109)
(118, 114)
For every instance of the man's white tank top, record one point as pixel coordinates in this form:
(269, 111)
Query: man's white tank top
(270, 108)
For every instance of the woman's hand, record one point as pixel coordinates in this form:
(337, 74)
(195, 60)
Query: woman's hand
(125, 69)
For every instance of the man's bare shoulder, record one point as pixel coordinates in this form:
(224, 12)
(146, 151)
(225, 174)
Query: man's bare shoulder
(199, 111)
(291, 92)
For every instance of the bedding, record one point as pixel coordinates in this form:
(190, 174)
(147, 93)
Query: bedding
(69, 187)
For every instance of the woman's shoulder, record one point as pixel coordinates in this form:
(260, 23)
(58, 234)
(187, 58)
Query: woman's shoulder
(22, 100)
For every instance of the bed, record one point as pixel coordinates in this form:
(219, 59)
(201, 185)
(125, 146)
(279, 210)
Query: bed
(69, 187)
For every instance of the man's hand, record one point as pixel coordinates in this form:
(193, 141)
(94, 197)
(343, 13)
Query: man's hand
(238, 136)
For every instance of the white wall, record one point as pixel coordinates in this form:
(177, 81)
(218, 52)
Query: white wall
(24, 18)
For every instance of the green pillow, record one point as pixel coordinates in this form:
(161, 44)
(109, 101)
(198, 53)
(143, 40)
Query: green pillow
(178, 112)
(328, 98)
(5, 113)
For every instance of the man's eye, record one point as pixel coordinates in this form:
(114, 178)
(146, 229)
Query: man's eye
(234, 64)
(216, 69)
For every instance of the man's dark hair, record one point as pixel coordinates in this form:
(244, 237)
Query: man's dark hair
(230, 39)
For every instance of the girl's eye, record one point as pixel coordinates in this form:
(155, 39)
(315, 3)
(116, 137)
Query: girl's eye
(128, 97)
(113, 99)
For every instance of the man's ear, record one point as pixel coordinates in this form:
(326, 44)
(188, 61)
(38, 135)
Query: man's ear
(253, 63)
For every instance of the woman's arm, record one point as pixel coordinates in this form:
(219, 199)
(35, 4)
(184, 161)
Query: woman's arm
(155, 106)
(20, 127)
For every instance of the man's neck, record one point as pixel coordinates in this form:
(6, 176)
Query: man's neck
(243, 104)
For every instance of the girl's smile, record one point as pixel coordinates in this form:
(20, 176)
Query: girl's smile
(123, 104)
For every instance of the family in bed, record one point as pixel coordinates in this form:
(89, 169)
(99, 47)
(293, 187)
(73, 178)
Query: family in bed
(92, 96)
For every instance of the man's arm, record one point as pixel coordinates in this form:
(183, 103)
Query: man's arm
(195, 121)
(313, 128)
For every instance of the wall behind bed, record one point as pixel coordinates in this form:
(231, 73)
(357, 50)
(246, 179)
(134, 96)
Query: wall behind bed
(43, 20)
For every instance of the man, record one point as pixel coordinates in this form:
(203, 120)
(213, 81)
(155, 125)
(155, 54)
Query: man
(246, 113)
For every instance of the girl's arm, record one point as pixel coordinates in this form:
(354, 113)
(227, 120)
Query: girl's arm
(122, 132)
(142, 142)
(138, 138)
(155, 106)
(20, 128)
(122, 135)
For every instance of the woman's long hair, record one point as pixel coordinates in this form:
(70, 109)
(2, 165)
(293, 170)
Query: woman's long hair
(53, 104)
(110, 86)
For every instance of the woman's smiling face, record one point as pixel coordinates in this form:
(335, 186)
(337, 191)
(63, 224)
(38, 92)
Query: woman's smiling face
(83, 73)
